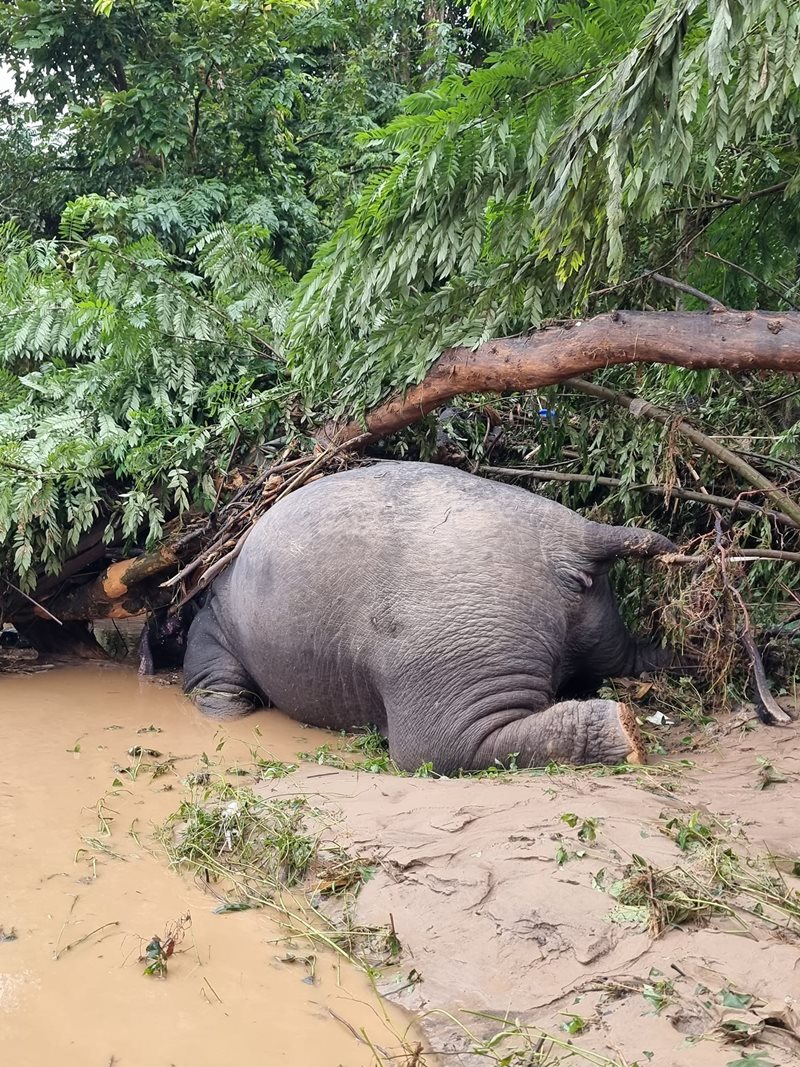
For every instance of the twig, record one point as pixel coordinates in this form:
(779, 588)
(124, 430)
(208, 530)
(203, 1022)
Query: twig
(35, 603)
(682, 287)
(349, 1026)
(80, 941)
(768, 702)
(319, 459)
(765, 553)
(677, 493)
(227, 469)
(728, 199)
(767, 707)
(227, 528)
(213, 990)
(755, 277)
(64, 925)
(309, 466)
(205, 556)
(743, 555)
(643, 408)
(682, 248)
(220, 565)
(775, 460)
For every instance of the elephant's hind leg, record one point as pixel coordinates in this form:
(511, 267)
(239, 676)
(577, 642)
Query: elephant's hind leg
(212, 676)
(572, 731)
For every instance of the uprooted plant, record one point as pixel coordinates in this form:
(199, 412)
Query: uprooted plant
(716, 879)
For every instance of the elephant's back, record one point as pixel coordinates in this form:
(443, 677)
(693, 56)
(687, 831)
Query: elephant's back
(375, 504)
(412, 530)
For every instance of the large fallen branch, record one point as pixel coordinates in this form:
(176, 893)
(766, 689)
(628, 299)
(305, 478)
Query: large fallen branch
(123, 589)
(726, 340)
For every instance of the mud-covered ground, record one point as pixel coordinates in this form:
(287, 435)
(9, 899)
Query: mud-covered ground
(644, 917)
(84, 886)
(509, 899)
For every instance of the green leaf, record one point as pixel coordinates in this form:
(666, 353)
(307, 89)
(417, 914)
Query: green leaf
(752, 1059)
(730, 999)
(575, 1025)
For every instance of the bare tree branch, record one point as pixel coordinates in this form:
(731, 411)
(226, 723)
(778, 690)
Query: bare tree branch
(675, 493)
(637, 407)
(727, 340)
(682, 287)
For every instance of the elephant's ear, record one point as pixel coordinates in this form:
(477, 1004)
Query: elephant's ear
(604, 543)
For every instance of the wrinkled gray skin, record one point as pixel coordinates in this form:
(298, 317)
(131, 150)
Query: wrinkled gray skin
(449, 611)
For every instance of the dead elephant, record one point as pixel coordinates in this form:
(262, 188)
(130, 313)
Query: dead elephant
(454, 613)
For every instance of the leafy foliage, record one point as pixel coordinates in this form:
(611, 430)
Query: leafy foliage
(179, 166)
(630, 136)
(263, 99)
(124, 373)
(212, 206)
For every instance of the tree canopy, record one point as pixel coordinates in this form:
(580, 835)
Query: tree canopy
(170, 170)
(624, 137)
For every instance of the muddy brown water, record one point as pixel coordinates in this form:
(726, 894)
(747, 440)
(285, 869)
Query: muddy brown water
(83, 879)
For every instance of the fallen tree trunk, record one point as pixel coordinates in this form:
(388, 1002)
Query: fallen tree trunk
(726, 340)
(123, 589)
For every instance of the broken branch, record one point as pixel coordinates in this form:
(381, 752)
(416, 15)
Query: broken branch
(676, 492)
(638, 407)
(727, 340)
(771, 711)
(682, 287)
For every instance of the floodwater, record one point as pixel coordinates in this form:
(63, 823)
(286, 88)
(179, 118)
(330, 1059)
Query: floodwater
(84, 886)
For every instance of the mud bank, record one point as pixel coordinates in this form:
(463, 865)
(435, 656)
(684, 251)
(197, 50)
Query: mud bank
(508, 899)
(651, 917)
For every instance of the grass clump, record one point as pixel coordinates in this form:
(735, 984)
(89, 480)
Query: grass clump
(235, 834)
(370, 745)
(665, 898)
(512, 1043)
(267, 770)
(719, 879)
(275, 853)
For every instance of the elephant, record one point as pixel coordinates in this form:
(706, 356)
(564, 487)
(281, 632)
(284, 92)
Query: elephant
(466, 619)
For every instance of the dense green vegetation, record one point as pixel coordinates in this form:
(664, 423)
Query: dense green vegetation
(222, 220)
(169, 170)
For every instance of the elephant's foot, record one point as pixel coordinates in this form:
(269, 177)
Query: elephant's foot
(219, 702)
(212, 676)
(572, 731)
(630, 727)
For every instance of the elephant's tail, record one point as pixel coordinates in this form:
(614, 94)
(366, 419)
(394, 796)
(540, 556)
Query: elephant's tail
(606, 543)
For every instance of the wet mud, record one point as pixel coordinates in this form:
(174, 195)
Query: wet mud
(84, 886)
